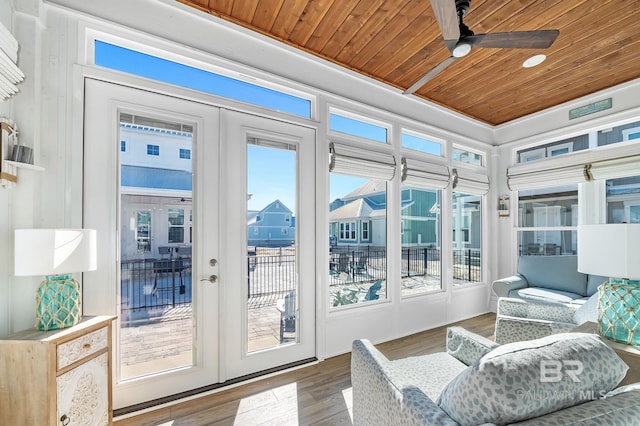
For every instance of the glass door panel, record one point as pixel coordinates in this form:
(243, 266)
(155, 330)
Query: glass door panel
(271, 244)
(156, 292)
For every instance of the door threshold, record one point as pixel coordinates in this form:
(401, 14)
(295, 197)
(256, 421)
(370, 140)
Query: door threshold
(143, 407)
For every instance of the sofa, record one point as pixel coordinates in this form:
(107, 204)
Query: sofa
(549, 279)
(522, 319)
(477, 381)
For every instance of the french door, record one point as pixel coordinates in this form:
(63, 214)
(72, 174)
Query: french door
(182, 261)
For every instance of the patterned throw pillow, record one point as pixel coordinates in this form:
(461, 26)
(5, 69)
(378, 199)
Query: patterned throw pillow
(522, 380)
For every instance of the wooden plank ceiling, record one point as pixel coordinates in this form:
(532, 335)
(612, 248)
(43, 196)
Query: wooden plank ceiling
(398, 41)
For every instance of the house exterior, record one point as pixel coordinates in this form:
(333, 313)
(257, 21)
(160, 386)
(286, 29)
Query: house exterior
(156, 187)
(359, 218)
(273, 226)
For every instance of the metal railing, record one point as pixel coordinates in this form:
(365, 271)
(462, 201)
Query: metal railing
(154, 283)
(162, 283)
(467, 265)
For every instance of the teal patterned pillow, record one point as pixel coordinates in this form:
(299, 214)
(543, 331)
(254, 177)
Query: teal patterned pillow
(522, 380)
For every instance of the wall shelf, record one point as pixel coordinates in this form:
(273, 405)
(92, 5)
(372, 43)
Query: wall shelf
(24, 165)
(9, 173)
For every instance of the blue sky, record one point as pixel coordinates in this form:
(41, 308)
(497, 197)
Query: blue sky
(271, 171)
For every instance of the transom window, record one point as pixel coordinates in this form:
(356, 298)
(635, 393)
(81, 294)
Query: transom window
(467, 156)
(144, 65)
(417, 142)
(351, 124)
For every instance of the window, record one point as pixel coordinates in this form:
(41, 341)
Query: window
(358, 257)
(153, 149)
(554, 149)
(623, 200)
(176, 226)
(418, 142)
(143, 232)
(185, 153)
(123, 146)
(357, 127)
(365, 231)
(559, 149)
(622, 133)
(467, 238)
(607, 136)
(420, 237)
(547, 220)
(348, 231)
(631, 134)
(467, 156)
(138, 63)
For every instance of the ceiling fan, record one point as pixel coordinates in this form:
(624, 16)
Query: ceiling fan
(459, 38)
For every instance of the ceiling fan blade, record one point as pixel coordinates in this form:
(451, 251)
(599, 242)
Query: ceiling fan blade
(540, 39)
(447, 17)
(431, 74)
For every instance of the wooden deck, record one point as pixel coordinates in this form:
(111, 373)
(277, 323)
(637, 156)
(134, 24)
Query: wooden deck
(319, 394)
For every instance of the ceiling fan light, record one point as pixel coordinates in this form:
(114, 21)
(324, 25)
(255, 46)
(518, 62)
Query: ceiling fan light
(534, 60)
(461, 49)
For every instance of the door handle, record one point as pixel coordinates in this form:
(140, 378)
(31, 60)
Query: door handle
(211, 279)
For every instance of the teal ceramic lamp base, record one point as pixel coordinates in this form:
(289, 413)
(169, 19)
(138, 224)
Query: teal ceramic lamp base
(619, 311)
(57, 303)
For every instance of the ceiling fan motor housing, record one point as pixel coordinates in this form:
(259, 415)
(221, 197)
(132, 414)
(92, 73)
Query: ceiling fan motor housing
(462, 6)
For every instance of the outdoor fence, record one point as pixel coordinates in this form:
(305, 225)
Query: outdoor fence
(271, 273)
(147, 284)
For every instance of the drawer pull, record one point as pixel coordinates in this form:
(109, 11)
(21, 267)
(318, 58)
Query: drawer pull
(64, 420)
(87, 346)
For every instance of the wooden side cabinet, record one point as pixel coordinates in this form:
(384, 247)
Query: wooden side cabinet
(57, 378)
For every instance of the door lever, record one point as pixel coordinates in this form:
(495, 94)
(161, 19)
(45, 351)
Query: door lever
(211, 279)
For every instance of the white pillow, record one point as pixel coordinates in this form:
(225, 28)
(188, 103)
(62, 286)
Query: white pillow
(588, 311)
(522, 380)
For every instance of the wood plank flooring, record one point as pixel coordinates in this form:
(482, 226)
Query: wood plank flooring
(316, 395)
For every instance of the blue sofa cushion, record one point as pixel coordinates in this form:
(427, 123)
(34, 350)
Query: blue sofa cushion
(553, 272)
(544, 295)
(593, 282)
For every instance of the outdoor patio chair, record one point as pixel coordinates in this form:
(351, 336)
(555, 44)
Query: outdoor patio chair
(287, 308)
(372, 293)
(361, 265)
(342, 264)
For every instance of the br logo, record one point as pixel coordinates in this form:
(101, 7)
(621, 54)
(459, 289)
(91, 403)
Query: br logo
(552, 371)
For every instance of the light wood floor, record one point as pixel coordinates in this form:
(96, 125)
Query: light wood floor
(316, 395)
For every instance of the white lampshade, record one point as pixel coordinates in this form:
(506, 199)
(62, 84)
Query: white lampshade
(54, 251)
(610, 250)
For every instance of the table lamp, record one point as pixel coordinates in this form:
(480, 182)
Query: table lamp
(55, 253)
(613, 250)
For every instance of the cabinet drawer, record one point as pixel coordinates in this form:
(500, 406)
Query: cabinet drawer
(83, 346)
